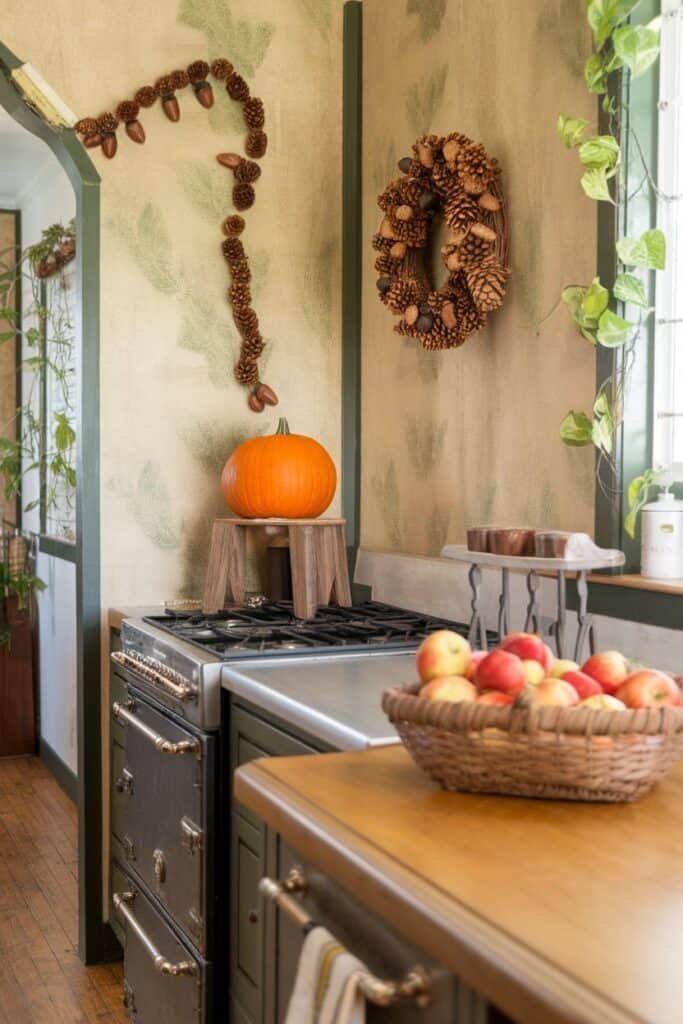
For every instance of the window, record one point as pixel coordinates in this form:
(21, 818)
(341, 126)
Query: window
(668, 378)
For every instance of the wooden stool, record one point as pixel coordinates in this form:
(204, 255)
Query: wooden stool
(318, 555)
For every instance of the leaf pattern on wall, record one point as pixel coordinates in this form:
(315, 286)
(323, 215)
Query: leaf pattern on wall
(149, 243)
(317, 289)
(429, 364)
(527, 270)
(207, 331)
(437, 528)
(149, 503)
(385, 489)
(565, 32)
(320, 13)
(385, 169)
(425, 440)
(208, 187)
(430, 13)
(424, 99)
(244, 42)
(211, 442)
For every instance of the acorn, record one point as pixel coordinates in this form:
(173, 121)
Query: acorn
(107, 124)
(109, 144)
(425, 322)
(204, 93)
(383, 284)
(404, 164)
(428, 201)
(197, 72)
(92, 141)
(229, 160)
(255, 403)
(266, 394)
(164, 87)
(128, 111)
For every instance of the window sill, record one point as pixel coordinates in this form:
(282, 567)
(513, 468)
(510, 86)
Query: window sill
(634, 581)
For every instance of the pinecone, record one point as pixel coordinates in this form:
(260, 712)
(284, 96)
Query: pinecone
(243, 196)
(239, 295)
(412, 168)
(256, 144)
(233, 250)
(441, 337)
(127, 111)
(460, 210)
(401, 295)
(179, 79)
(234, 225)
(237, 87)
(247, 171)
(254, 113)
(426, 148)
(240, 272)
(473, 250)
(86, 126)
(380, 244)
(198, 71)
(445, 179)
(245, 319)
(486, 284)
(413, 232)
(253, 346)
(451, 146)
(107, 122)
(386, 265)
(221, 68)
(475, 168)
(469, 318)
(246, 371)
(164, 86)
(146, 96)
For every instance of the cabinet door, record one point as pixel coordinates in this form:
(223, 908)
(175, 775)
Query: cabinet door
(246, 926)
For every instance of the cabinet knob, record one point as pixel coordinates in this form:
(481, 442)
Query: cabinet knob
(253, 917)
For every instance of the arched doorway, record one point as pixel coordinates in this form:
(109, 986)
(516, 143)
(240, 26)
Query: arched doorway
(85, 182)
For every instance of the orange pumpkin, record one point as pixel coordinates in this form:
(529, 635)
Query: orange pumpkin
(283, 476)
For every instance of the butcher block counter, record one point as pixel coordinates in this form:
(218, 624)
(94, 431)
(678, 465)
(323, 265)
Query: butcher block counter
(555, 912)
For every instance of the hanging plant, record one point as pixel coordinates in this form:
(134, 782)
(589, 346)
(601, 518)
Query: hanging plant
(619, 49)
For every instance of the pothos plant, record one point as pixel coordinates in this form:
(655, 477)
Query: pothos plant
(28, 444)
(618, 49)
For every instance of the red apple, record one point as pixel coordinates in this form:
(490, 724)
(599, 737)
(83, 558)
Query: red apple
(475, 658)
(528, 647)
(584, 685)
(502, 671)
(443, 653)
(609, 668)
(495, 697)
(534, 673)
(550, 659)
(454, 688)
(554, 692)
(603, 702)
(562, 665)
(649, 689)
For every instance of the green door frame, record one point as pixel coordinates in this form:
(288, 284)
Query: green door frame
(94, 942)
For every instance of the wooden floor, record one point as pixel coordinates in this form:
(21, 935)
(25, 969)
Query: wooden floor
(42, 981)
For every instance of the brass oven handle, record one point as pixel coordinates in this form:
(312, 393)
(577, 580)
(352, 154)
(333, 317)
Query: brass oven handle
(158, 741)
(164, 966)
(413, 986)
(180, 690)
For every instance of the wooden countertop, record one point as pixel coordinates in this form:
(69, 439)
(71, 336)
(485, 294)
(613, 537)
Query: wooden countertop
(556, 912)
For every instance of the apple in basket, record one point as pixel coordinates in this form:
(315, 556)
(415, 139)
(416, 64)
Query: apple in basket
(528, 647)
(603, 702)
(495, 698)
(534, 673)
(502, 671)
(443, 653)
(649, 689)
(453, 688)
(609, 668)
(475, 658)
(562, 665)
(584, 685)
(554, 692)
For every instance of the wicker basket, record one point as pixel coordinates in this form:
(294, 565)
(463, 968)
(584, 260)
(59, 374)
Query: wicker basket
(546, 752)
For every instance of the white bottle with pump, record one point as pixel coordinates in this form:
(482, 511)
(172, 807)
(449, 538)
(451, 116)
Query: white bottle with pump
(662, 538)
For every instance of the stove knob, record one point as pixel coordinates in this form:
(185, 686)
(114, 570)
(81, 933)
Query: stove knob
(159, 862)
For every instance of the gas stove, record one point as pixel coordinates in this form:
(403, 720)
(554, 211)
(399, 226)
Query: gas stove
(176, 657)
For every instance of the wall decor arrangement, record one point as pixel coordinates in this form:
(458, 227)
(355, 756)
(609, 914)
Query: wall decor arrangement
(101, 132)
(453, 176)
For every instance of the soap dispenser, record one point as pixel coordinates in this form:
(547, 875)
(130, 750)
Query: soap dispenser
(662, 538)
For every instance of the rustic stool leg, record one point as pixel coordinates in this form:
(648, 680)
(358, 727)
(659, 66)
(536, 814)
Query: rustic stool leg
(237, 562)
(302, 548)
(325, 563)
(342, 585)
(226, 569)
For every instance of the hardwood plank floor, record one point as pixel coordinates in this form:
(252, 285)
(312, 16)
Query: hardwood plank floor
(42, 981)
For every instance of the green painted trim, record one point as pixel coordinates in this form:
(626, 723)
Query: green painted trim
(352, 210)
(57, 548)
(85, 181)
(633, 605)
(67, 780)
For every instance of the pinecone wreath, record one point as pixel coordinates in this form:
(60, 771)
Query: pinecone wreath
(454, 176)
(101, 132)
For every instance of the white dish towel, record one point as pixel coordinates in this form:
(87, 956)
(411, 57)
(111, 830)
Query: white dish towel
(326, 988)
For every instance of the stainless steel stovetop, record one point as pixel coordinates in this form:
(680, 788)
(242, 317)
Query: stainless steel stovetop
(177, 657)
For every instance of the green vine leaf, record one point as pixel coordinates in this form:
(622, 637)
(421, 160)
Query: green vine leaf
(65, 435)
(571, 129)
(647, 251)
(576, 429)
(628, 288)
(637, 46)
(613, 331)
(637, 496)
(602, 151)
(605, 15)
(595, 300)
(594, 183)
(595, 75)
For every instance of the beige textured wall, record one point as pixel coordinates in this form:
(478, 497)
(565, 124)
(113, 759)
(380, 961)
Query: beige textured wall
(471, 435)
(171, 412)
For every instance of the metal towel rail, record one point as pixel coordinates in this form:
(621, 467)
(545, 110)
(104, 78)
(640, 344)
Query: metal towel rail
(413, 986)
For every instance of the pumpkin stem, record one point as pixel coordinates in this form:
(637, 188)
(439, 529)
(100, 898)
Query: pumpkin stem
(283, 426)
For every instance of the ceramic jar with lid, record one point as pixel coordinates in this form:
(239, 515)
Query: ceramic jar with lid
(662, 538)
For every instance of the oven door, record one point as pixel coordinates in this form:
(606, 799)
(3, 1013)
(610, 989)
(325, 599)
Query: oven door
(167, 816)
(165, 981)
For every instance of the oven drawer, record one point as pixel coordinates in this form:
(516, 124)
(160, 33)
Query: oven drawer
(167, 820)
(165, 981)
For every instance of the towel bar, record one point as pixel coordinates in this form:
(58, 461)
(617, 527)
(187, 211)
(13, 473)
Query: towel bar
(413, 986)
